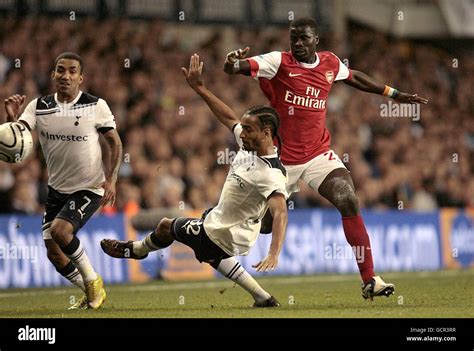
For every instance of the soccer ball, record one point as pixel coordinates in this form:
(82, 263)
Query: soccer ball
(16, 142)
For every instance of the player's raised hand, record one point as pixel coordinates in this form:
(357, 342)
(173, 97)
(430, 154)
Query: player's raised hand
(267, 264)
(239, 54)
(13, 105)
(193, 74)
(410, 99)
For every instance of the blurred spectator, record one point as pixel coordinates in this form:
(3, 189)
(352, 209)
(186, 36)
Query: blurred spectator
(172, 141)
(423, 198)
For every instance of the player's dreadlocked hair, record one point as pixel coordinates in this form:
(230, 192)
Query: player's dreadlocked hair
(267, 116)
(304, 22)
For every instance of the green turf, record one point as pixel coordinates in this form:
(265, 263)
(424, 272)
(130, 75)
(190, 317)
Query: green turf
(437, 294)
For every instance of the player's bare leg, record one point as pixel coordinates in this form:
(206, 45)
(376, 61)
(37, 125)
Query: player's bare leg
(158, 239)
(161, 237)
(338, 188)
(66, 268)
(62, 234)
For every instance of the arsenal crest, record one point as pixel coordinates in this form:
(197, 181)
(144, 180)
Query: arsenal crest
(329, 76)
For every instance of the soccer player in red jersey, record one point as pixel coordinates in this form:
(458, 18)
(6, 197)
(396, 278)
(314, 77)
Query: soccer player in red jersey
(297, 84)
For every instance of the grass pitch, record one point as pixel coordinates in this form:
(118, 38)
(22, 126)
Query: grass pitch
(444, 294)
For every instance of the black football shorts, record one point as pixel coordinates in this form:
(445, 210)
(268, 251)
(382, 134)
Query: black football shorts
(190, 231)
(76, 208)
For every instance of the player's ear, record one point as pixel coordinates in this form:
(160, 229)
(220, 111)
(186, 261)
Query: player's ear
(316, 38)
(267, 132)
(52, 75)
(81, 78)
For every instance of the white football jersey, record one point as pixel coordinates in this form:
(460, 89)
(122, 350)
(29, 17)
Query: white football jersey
(69, 136)
(234, 224)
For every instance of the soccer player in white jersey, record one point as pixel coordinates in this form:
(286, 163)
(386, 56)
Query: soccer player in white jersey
(297, 84)
(256, 182)
(68, 125)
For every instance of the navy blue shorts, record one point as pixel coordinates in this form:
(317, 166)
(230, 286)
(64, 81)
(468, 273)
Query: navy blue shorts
(190, 231)
(76, 208)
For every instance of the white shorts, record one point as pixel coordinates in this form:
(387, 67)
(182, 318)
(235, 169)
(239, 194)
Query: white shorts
(314, 171)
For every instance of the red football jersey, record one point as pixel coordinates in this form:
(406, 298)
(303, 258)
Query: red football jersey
(299, 92)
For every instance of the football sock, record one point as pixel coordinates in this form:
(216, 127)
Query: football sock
(78, 256)
(71, 273)
(232, 269)
(148, 244)
(357, 237)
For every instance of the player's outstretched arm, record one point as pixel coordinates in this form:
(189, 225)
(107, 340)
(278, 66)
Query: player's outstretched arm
(115, 149)
(277, 207)
(234, 63)
(193, 76)
(365, 83)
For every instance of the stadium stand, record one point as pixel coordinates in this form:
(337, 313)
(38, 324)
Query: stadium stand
(171, 141)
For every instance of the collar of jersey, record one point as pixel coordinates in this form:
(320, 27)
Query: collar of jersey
(76, 99)
(309, 65)
(271, 155)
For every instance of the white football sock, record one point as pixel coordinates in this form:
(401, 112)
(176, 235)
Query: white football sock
(142, 247)
(81, 261)
(232, 269)
(76, 278)
(71, 273)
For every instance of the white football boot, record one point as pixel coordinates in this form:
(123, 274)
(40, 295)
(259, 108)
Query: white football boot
(377, 287)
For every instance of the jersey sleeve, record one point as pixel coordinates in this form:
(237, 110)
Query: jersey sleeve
(237, 129)
(104, 117)
(271, 182)
(344, 72)
(29, 115)
(265, 66)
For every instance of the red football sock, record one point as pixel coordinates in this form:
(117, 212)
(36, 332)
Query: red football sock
(357, 237)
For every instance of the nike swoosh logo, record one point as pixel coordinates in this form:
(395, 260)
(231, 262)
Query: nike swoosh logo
(295, 74)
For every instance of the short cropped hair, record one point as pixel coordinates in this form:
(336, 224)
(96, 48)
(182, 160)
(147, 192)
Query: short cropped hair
(70, 56)
(304, 22)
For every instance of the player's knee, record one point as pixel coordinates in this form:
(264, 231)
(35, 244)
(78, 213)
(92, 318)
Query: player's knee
(61, 231)
(349, 205)
(345, 200)
(163, 229)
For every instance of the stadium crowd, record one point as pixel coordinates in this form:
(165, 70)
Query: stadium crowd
(177, 155)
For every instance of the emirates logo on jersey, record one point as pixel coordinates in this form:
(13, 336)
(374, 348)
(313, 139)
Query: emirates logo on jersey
(329, 76)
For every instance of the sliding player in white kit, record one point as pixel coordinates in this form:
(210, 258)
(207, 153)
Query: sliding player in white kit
(68, 125)
(256, 182)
